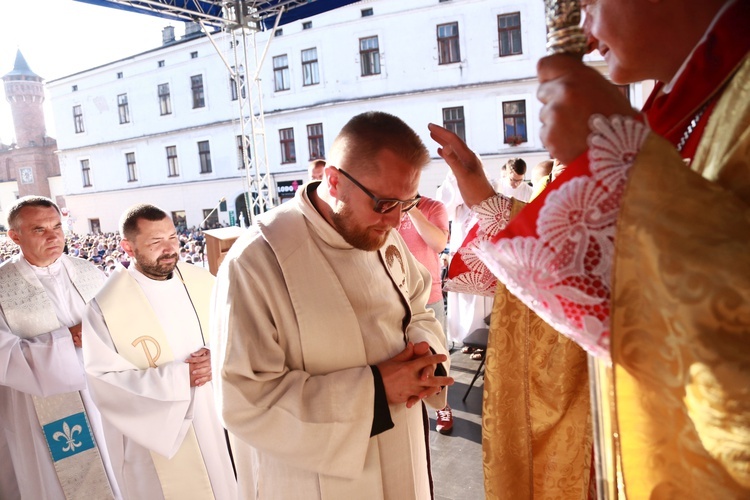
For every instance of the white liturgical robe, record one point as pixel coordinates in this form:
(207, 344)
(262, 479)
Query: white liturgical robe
(522, 193)
(43, 365)
(299, 314)
(151, 410)
(466, 312)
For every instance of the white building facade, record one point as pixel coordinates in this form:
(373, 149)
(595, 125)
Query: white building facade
(163, 126)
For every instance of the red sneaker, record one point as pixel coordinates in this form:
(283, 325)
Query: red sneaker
(444, 420)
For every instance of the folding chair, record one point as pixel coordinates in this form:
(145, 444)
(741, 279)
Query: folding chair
(478, 340)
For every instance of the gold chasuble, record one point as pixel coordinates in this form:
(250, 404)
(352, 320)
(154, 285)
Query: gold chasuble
(536, 424)
(681, 315)
(140, 339)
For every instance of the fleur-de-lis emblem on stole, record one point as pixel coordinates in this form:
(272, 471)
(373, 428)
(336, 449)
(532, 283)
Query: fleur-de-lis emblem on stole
(69, 435)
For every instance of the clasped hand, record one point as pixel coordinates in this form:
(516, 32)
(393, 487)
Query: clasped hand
(409, 376)
(199, 364)
(76, 334)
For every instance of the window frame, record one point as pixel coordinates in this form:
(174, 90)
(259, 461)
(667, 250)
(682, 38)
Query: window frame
(506, 46)
(197, 91)
(204, 157)
(123, 110)
(281, 78)
(210, 217)
(449, 46)
(316, 141)
(237, 83)
(456, 124)
(240, 155)
(173, 167)
(165, 99)
(310, 68)
(131, 166)
(515, 137)
(86, 172)
(369, 57)
(286, 141)
(78, 119)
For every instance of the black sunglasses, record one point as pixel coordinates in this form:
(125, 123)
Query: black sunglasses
(384, 205)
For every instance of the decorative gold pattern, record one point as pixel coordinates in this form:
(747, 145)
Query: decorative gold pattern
(536, 426)
(564, 34)
(392, 256)
(144, 340)
(681, 315)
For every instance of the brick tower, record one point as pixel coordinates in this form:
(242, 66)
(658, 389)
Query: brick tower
(24, 91)
(31, 160)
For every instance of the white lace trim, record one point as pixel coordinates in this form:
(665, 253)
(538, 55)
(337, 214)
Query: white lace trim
(564, 275)
(493, 215)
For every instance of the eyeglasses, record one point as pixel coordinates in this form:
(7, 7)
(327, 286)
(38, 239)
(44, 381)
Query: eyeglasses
(384, 205)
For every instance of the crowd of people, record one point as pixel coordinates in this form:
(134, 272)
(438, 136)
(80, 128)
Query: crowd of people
(105, 251)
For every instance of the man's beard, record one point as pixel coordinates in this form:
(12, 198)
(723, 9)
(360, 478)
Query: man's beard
(157, 268)
(356, 237)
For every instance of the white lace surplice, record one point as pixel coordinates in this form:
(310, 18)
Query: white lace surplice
(467, 273)
(564, 272)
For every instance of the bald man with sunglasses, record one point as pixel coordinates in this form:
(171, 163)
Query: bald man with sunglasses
(325, 349)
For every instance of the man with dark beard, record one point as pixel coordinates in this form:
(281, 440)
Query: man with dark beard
(324, 345)
(148, 367)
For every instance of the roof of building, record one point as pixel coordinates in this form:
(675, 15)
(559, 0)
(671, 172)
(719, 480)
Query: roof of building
(21, 68)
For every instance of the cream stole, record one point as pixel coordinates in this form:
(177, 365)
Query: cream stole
(184, 475)
(62, 417)
(287, 233)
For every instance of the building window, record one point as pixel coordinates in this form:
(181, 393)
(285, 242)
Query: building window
(310, 67)
(160, 63)
(119, 75)
(78, 118)
(196, 85)
(307, 25)
(238, 81)
(204, 154)
(210, 217)
(315, 141)
(173, 170)
(86, 173)
(179, 220)
(240, 149)
(165, 102)
(514, 122)
(75, 88)
(130, 162)
(194, 55)
(447, 36)
(286, 138)
(509, 34)
(453, 120)
(366, 12)
(369, 56)
(122, 108)
(278, 32)
(281, 73)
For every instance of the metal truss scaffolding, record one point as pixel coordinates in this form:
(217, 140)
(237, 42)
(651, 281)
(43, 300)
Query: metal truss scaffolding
(242, 19)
